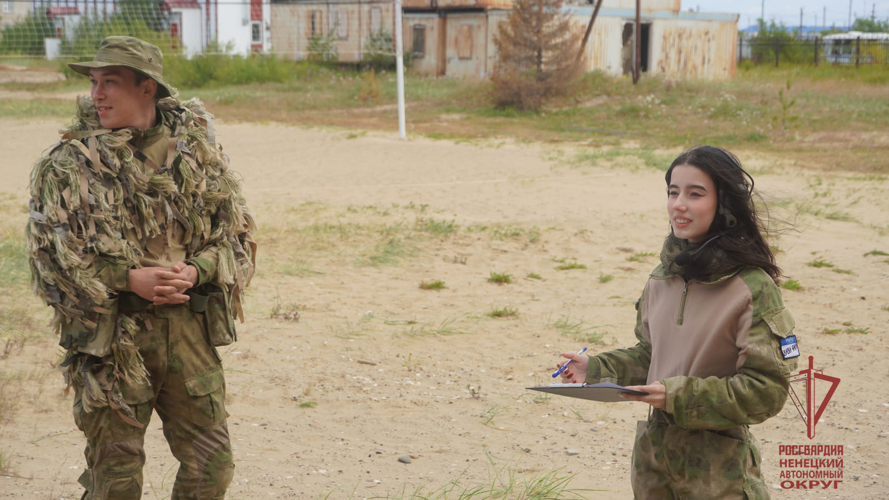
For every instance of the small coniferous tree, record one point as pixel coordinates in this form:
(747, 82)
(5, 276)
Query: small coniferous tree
(537, 49)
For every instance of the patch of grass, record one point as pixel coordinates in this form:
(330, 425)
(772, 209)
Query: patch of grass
(877, 253)
(533, 276)
(288, 312)
(862, 331)
(503, 312)
(565, 266)
(445, 327)
(791, 285)
(439, 228)
(504, 232)
(842, 271)
(500, 278)
(308, 404)
(504, 482)
(13, 259)
(819, 263)
(578, 329)
(605, 278)
(456, 259)
(432, 285)
(388, 252)
(832, 331)
(640, 256)
(489, 414)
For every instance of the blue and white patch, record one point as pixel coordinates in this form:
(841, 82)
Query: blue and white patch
(789, 347)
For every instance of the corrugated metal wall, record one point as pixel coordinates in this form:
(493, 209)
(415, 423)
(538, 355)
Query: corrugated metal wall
(678, 48)
(694, 49)
(603, 47)
(647, 5)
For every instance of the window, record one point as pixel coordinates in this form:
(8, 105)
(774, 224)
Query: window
(419, 45)
(464, 42)
(340, 21)
(376, 20)
(7, 7)
(315, 24)
(256, 31)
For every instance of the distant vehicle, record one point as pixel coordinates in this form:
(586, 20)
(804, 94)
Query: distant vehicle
(841, 48)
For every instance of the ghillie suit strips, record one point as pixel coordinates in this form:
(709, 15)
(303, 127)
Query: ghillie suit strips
(96, 202)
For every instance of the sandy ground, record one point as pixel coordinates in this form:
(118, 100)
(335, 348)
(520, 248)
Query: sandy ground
(396, 370)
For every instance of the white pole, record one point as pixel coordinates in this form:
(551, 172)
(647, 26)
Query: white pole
(399, 67)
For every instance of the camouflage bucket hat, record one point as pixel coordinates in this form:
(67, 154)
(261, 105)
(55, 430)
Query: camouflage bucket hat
(132, 53)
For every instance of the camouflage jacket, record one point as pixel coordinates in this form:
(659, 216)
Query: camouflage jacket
(714, 344)
(97, 202)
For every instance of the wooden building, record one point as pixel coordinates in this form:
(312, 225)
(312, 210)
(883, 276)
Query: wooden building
(457, 37)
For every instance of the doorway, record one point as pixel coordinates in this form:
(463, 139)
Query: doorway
(628, 54)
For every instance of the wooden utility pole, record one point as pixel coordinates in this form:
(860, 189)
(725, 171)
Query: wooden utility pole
(637, 67)
(589, 29)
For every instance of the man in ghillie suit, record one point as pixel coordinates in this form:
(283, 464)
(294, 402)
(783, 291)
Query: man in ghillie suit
(140, 240)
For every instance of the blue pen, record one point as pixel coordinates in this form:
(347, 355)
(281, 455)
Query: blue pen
(560, 370)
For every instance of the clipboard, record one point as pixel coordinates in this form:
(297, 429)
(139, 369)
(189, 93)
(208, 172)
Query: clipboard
(604, 392)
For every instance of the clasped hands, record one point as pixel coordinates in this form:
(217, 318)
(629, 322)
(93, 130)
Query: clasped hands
(576, 372)
(164, 285)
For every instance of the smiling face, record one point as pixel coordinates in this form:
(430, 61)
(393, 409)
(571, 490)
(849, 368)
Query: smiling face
(691, 203)
(120, 101)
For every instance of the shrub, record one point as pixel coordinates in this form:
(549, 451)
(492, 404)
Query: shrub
(26, 36)
(322, 48)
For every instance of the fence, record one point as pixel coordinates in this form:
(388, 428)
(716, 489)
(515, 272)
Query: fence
(855, 52)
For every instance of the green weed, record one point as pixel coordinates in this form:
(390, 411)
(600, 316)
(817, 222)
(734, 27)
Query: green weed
(500, 278)
(819, 263)
(432, 285)
(489, 414)
(862, 331)
(533, 276)
(832, 331)
(387, 252)
(877, 253)
(439, 228)
(578, 329)
(842, 271)
(503, 312)
(308, 404)
(456, 259)
(605, 278)
(565, 266)
(791, 285)
(640, 256)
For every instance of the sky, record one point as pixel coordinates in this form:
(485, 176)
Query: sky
(787, 11)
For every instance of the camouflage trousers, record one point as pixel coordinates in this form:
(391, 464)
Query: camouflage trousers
(187, 390)
(671, 462)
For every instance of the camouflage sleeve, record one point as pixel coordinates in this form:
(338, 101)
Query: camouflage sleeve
(757, 392)
(625, 366)
(62, 237)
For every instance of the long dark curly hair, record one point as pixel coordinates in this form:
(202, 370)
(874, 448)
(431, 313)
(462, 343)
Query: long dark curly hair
(738, 223)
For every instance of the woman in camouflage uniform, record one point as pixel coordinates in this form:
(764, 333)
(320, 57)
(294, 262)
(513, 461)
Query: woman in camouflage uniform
(711, 325)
